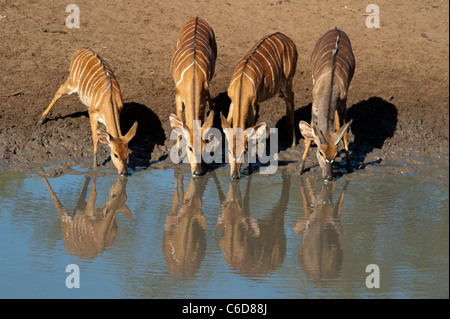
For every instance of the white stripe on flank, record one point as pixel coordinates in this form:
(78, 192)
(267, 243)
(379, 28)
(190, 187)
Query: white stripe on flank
(82, 71)
(321, 76)
(182, 74)
(204, 72)
(181, 62)
(250, 78)
(270, 65)
(175, 60)
(101, 96)
(286, 45)
(257, 71)
(275, 48)
(77, 63)
(95, 78)
(86, 87)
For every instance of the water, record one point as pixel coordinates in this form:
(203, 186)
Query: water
(158, 234)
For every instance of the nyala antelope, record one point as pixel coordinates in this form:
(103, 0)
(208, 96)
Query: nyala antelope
(320, 253)
(99, 90)
(90, 230)
(265, 71)
(332, 66)
(184, 239)
(192, 67)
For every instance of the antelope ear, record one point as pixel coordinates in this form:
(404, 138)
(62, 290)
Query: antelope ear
(131, 132)
(307, 131)
(337, 136)
(256, 130)
(208, 122)
(103, 136)
(177, 124)
(178, 127)
(260, 129)
(127, 213)
(224, 121)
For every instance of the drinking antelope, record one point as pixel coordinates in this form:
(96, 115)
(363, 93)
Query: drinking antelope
(332, 66)
(320, 253)
(99, 90)
(90, 230)
(192, 67)
(253, 247)
(184, 239)
(266, 70)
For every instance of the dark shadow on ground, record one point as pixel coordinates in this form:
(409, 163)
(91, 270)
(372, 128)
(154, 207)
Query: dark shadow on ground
(72, 115)
(303, 113)
(221, 105)
(149, 133)
(374, 121)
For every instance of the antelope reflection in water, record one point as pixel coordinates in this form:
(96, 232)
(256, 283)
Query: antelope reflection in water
(184, 239)
(88, 231)
(253, 247)
(320, 254)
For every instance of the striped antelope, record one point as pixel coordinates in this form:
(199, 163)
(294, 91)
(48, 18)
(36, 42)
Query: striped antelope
(320, 253)
(89, 230)
(266, 70)
(192, 67)
(332, 66)
(252, 246)
(184, 239)
(99, 90)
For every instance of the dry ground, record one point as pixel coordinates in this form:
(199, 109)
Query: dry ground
(398, 99)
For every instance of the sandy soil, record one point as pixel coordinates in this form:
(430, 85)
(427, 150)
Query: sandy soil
(398, 99)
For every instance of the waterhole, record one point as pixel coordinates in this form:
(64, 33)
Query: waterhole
(162, 234)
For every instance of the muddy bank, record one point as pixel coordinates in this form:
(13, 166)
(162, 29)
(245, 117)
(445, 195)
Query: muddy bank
(398, 99)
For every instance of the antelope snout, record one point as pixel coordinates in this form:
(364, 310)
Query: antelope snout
(123, 171)
(235, 175)
(327, 173)
(198, 171)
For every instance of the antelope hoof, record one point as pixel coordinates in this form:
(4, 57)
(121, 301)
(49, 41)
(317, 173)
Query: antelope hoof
(302, 167)
(39, 123)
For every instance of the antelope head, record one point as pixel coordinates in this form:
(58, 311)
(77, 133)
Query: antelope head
(238, 144)
(194, 153)
(327, 145)
(119, 147)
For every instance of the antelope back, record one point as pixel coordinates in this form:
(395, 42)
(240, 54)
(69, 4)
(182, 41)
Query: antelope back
(194, 61)
(260, 74)
(332, 67)
(93, 79)
(196, 46)
(332, 61)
